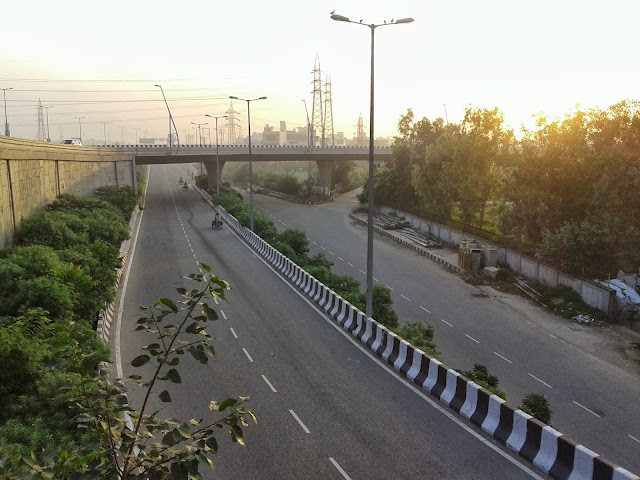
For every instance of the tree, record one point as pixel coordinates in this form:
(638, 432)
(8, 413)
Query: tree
(133, 443)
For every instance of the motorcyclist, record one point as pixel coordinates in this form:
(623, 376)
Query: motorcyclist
(217, 221)
(180, 181)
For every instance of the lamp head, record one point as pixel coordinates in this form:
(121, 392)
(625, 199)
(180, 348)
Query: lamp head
(158, 86)
(405, 20)
(234, 98)
(339, 18)
(262, 98)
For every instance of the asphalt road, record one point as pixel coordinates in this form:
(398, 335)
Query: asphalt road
(325, 408)
(595, 402)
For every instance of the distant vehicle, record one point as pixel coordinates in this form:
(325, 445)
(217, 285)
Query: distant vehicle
(71, 141)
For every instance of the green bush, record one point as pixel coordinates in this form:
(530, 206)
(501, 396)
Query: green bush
(537, 405)
(123, 198)
(419, 335)
(480, 375)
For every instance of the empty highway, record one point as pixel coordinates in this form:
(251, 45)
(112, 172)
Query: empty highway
(593, 401)
(326, 409)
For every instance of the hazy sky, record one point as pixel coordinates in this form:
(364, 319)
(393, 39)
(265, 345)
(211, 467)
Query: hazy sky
(519, 55)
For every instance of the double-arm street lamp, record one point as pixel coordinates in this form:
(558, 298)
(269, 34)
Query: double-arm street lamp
(217, 161)
(199, 125)
(6, 121)
(80, 124)
(250, 166)
(372, 27)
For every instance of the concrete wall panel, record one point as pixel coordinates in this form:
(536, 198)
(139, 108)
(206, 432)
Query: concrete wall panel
(33, 174)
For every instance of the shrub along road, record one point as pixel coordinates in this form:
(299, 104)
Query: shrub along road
(325, 409)
(592, 400)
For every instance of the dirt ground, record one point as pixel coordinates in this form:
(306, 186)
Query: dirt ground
(610, 343)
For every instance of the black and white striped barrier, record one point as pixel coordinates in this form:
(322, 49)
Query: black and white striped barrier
(549, 450)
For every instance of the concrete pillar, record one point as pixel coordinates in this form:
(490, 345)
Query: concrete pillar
(210, 165)
(325, 167)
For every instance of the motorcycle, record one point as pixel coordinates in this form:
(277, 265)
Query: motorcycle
(216, 224)
(185, 186)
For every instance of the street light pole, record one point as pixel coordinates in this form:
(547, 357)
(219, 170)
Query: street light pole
(169, 140)
(104, 129)
(80, 124)
(6, 121)
(250, 164)
(136, 129)
(122, 133)
(199, 131)
(340, 18)
(217, 159)
(47, 109)
(308, 145)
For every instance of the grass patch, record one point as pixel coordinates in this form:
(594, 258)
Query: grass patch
(566, 302)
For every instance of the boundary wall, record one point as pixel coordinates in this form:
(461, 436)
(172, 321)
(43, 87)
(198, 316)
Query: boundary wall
(33, 174)
(548, 449)
(594, 295)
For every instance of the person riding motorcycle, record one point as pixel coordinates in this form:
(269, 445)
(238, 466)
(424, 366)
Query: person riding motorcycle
(217, 221)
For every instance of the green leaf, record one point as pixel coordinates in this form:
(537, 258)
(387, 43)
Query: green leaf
(173, 362)
(169, 303)
(140, 360)
(164, 396)
(205, 267)
(182, 291)
(212, 443)
(174, 376)
(85, 417)
(210, 313)
(229, 402)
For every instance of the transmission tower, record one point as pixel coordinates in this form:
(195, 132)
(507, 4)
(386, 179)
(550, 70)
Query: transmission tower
(328, 113)
(42, 130)
(231, 124)
(317, 119)
(361, 140)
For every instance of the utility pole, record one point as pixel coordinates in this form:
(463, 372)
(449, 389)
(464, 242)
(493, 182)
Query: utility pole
(47, 110)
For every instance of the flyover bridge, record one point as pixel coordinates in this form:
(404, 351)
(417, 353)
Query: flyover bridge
(325, 157)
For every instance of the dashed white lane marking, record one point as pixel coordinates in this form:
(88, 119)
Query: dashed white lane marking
(362, 271)
(350, 264)
(269, 383)
(341, 259)
(504, 358)
(445, 322)
(424, 309)
(331, 253)
(633, 438)
(322, 247)
(375, 279)
(233, 332)
(406, 298)
(315, 243)
(304, 427)
(388, 287)
(471, 338)
(216, 301)
(590, 411)
(339, 468)
(544, 383)
(223, 315)
(247, 354)
(552, 336)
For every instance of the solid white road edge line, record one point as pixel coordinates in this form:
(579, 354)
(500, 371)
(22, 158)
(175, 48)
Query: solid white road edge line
(387, 369)
(339, 468)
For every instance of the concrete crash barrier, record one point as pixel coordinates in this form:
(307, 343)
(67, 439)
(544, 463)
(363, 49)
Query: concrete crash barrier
(549, 450)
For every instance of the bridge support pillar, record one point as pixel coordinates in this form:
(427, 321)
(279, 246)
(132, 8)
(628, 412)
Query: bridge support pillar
(212, 172)
(325, 167)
